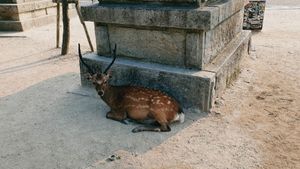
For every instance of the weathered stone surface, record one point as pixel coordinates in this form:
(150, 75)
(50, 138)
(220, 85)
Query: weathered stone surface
(102, 39)
(193, 89)
(145, 15)
(140, 1)
(11, 25)
(227, 64)
(196, 3)
(254, 15)
(26, 24)
(167, 47)
(20, 15)
(180, 17)
(16, 1)
(6, 9)
(194, 50)
(216, 39)
(204, 18)
(27, 15)
(169, 35)
(227, 8)
(35, 5)
(25, 7)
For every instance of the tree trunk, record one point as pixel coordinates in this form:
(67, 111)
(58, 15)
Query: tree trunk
(84, 26)
(57, 24)
(66, 23)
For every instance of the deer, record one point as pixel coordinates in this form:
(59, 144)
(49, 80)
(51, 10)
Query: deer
(136, 103)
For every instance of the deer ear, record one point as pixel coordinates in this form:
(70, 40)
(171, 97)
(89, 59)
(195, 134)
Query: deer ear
(109, 73)
(88, 76)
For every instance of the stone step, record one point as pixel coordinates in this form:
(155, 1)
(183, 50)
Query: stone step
(8, 9)
(10, 16)
(15, 1)
(26, 24)
(179, 17)
(23, 16)
(227, 63)
(159, 2)
(194, 89)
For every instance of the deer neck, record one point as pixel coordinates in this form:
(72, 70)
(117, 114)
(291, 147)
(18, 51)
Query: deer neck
(110, 95)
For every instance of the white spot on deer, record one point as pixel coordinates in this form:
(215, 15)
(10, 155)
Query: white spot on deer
(143, 99)
(176, 118)
(169, 102)
(158, 102)
(131, 98)
(179, 117)
(136, 98)
(142, 106)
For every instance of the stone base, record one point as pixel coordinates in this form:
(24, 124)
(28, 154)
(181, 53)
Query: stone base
(183, 36)
(26, 24)
(194, 89)
(25, 14)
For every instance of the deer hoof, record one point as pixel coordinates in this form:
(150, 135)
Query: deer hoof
(157, 130)
(125, 121)
(136, 130)
(108, 115)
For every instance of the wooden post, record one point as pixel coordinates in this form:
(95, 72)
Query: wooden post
(57, 24)
(84, 26)
(66, 25)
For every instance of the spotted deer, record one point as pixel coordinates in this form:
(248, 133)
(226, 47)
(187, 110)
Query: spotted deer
(133, 102)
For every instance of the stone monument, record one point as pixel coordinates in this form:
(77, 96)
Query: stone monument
(190, 49)
(20, 15)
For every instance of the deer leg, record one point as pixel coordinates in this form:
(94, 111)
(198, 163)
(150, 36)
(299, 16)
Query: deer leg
(144, 128)
(162, 127)
(117, 116)
(162, 121)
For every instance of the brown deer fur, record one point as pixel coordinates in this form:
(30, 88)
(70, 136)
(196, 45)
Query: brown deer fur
(133, 102)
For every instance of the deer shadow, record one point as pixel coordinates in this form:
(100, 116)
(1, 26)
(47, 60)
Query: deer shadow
(59, 123)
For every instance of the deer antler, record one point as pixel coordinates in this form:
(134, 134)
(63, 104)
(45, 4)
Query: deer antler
(90, 70)
(112, 62)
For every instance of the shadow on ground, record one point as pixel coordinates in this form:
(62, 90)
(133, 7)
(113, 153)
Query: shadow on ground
(58, 124)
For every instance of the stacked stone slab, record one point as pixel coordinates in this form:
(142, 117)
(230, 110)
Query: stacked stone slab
(190, 49)
(20, 15)
(254, 15)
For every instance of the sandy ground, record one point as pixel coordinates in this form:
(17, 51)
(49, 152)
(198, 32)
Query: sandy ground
(254, 125)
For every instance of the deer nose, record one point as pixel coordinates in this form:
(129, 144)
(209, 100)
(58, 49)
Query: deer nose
(101, 92)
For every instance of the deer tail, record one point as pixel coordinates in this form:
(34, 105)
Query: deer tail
(181, 115)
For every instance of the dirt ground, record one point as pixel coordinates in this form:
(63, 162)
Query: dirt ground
(254, 125)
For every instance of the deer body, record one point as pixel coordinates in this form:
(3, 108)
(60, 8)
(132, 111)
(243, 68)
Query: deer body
(137, 103)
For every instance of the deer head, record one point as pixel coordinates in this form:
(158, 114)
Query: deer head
(100, 80)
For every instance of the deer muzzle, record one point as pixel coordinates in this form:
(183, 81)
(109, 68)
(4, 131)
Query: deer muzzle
(101, 93)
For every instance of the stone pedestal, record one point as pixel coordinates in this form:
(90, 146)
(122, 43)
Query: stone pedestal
(20, 15)
(254, 15)
(187, 48)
